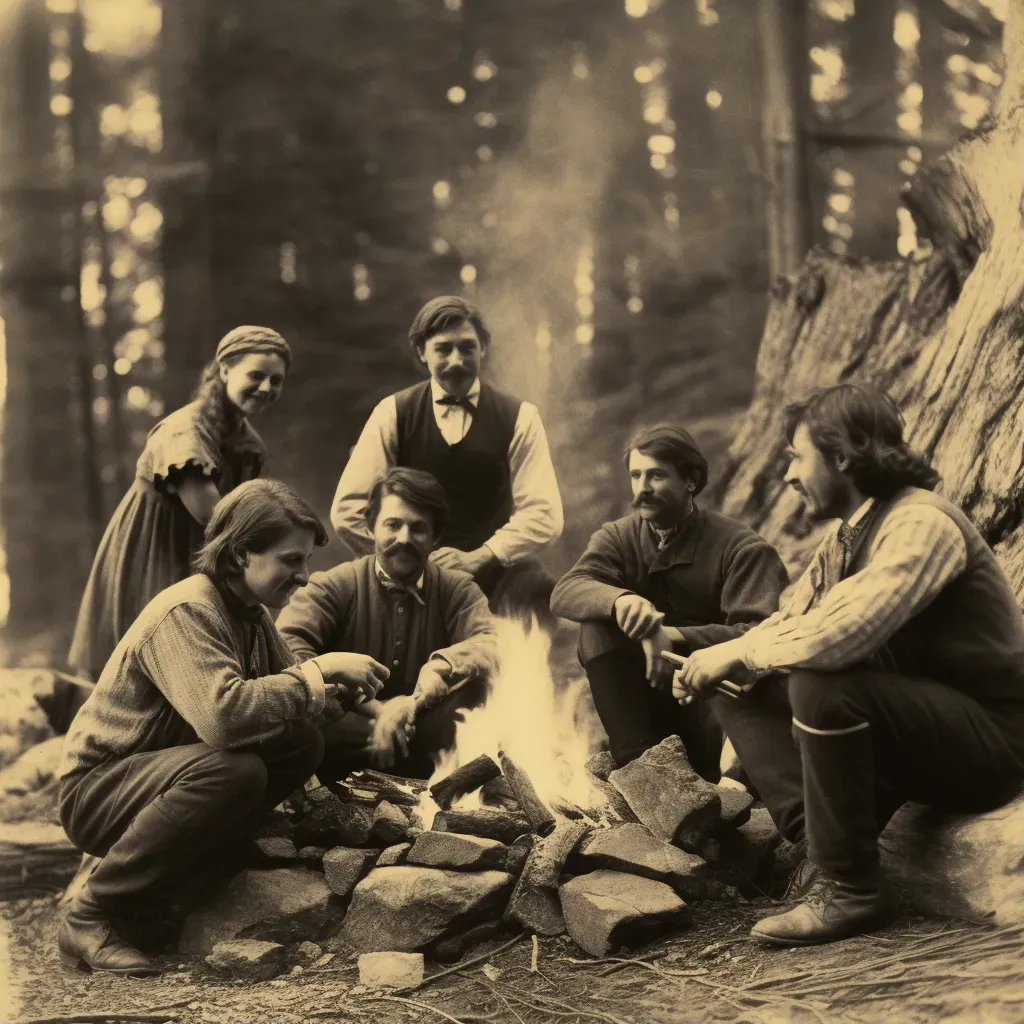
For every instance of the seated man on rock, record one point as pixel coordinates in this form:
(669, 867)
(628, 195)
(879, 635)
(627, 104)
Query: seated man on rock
(201, 722)
(429, 625)
(669, 576)
(904, 647)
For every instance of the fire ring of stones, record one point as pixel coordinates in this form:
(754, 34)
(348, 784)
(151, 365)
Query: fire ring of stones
(387, 864)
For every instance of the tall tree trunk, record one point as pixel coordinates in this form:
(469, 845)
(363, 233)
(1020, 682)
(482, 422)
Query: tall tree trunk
(945, 337)
(784, 71)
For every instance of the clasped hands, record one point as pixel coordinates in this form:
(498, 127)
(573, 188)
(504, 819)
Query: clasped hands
(642, 622)
(394, 720)
(472, 562)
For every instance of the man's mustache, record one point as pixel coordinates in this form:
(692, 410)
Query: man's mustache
(407, 549)
(646, 498)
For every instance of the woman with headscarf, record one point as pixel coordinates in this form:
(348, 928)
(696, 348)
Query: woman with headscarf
(192, 458)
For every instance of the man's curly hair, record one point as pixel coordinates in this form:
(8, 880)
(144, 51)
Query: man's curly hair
(863, 425)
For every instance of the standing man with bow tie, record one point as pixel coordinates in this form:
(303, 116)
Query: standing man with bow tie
(488, 450)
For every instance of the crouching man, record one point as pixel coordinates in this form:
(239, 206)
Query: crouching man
(904, 647)
(429, 625)
(201, 722)
(669, 576)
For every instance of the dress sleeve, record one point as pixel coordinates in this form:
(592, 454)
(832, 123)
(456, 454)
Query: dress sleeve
(179, 448)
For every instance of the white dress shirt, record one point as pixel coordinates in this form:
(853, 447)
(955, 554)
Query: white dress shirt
(537, 517)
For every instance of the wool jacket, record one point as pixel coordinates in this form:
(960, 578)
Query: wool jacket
(347, 609)
(190, 670)
(714, 579)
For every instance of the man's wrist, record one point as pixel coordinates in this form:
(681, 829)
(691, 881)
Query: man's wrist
(315, 685)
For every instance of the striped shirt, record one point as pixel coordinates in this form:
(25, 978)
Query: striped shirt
(188, 671)
(830, 622)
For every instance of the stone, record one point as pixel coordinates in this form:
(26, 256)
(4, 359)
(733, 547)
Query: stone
(308, 953)
(602, 764)
(405, 908)
(282, 905)
(393, 855)
(957, 865)
(750, 847)
(607, 909)
(668, 796)
(455, 947)
(636, 849)
(343, 867)
(517, 852)
(711, 850)
(277, 848)
(312, 856)
(249, 959)
(389, 824)
(331, 822)
(390, 970)
(458, 852)
(736, 805)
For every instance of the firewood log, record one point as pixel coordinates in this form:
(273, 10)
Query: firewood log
(541, 820)
(485, 822)
(464, 780)
(534, 902)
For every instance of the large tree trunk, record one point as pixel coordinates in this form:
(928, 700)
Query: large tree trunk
(944, 335)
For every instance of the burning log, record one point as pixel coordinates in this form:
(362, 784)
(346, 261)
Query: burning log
(541, 820)
(498, 793)
(370, 787)
(485, 822)
(534, 902)
(464, 780)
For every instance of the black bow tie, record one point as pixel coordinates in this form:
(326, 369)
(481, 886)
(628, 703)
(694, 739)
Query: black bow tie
(464, 401)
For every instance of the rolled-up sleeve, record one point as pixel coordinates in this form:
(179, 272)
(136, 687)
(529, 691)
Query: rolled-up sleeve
(537, 518)
(918, 551)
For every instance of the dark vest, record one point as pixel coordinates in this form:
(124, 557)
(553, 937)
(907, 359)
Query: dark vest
(971, 636)
(475, 472)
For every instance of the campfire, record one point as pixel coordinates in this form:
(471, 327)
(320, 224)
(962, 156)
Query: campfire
(531, 734)
(525, 823)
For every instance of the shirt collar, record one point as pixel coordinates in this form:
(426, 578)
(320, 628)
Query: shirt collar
(859, 515)
(384, 577)
(436, 391)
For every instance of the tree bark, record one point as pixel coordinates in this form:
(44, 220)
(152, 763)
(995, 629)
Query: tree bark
(942, 335)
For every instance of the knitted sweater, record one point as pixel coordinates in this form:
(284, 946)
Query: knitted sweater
(179, 676)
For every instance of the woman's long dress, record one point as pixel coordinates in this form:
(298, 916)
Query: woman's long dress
(151, 537)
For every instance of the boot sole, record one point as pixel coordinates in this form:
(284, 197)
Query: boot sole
(76, 963)
(779, 940)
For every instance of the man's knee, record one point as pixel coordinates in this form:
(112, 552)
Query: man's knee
(599, 636)
(826, 700)
(232, 779)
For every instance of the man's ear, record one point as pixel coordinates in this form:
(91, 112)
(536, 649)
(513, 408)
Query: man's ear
(841, 461)
(420, 356)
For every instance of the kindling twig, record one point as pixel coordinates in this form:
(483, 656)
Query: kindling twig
(627, 962)
(533, 955)
(422, 1006)
(472, 962)
(113, 1016)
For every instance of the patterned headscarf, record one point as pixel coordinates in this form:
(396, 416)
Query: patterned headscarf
(247, 338)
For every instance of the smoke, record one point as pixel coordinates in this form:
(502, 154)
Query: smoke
(536, 209)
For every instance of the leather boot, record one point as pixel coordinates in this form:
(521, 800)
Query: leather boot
(87, 941)
(832, 909)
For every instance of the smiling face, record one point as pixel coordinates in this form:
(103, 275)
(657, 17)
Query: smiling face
(403, 538)
(270, 577)
(816, 478)
(661, 494)
(254, 381)
(453, 357)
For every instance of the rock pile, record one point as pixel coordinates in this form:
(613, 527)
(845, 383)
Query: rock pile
(389, 885)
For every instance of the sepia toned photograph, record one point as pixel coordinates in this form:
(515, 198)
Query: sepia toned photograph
(511, 512)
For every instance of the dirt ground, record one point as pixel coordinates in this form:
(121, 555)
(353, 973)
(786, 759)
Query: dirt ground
(914, 971)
